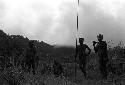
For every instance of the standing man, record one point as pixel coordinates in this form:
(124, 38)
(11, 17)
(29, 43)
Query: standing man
(81, 49)
(30, 57)
(101, 50)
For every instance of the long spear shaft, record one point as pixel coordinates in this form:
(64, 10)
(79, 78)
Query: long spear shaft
(75, 59)
(76, 39)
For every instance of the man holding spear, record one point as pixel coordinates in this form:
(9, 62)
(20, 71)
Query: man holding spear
(81, 51)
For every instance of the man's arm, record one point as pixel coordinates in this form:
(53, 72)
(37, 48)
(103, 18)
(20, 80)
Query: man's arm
(105, 45)
(89, 50)
(95, 48)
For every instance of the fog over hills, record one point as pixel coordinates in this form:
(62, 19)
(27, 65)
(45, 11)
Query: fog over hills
(54, 21)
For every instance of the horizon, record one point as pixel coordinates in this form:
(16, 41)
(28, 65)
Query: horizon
(110, 43)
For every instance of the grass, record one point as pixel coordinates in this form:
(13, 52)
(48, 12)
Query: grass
(16, 76)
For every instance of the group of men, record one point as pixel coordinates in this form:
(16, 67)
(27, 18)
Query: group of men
(100, 49)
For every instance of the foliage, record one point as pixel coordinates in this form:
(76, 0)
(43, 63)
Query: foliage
(13, 49)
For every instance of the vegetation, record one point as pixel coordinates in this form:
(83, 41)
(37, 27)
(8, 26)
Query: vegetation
(13, 50)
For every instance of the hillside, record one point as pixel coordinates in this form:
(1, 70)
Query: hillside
(13, 47)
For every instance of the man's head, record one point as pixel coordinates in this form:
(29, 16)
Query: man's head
(81, 40)
(100, 37)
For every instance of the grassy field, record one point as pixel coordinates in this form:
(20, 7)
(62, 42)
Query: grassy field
(16, 76)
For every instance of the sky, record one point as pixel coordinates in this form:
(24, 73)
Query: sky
(54, 21)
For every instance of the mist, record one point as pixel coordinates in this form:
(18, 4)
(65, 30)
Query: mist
(54, 21)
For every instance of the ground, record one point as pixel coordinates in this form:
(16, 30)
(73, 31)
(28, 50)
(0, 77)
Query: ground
(15, 74)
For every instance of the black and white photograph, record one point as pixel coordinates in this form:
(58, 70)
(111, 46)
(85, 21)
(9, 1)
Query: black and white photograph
(62, 42)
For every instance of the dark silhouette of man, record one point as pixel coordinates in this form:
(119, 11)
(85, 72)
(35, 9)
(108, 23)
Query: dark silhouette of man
(30, 57)
(81, 49)
(101, 50)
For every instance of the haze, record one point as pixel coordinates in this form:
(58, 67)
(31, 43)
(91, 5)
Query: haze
(54, 21)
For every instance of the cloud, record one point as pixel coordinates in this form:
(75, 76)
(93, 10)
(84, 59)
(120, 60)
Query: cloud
(36, 19)
(54, 21)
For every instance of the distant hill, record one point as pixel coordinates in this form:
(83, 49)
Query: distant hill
(15, 45)
(64, 50)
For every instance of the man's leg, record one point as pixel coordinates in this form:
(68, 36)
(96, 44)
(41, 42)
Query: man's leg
(101, 67)
(104, 69)
(83, 68)
(105, 73)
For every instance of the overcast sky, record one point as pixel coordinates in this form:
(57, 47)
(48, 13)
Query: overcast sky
(54, 21)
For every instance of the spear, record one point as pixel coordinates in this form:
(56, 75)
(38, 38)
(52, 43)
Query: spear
(76, 40)
(75, 59)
